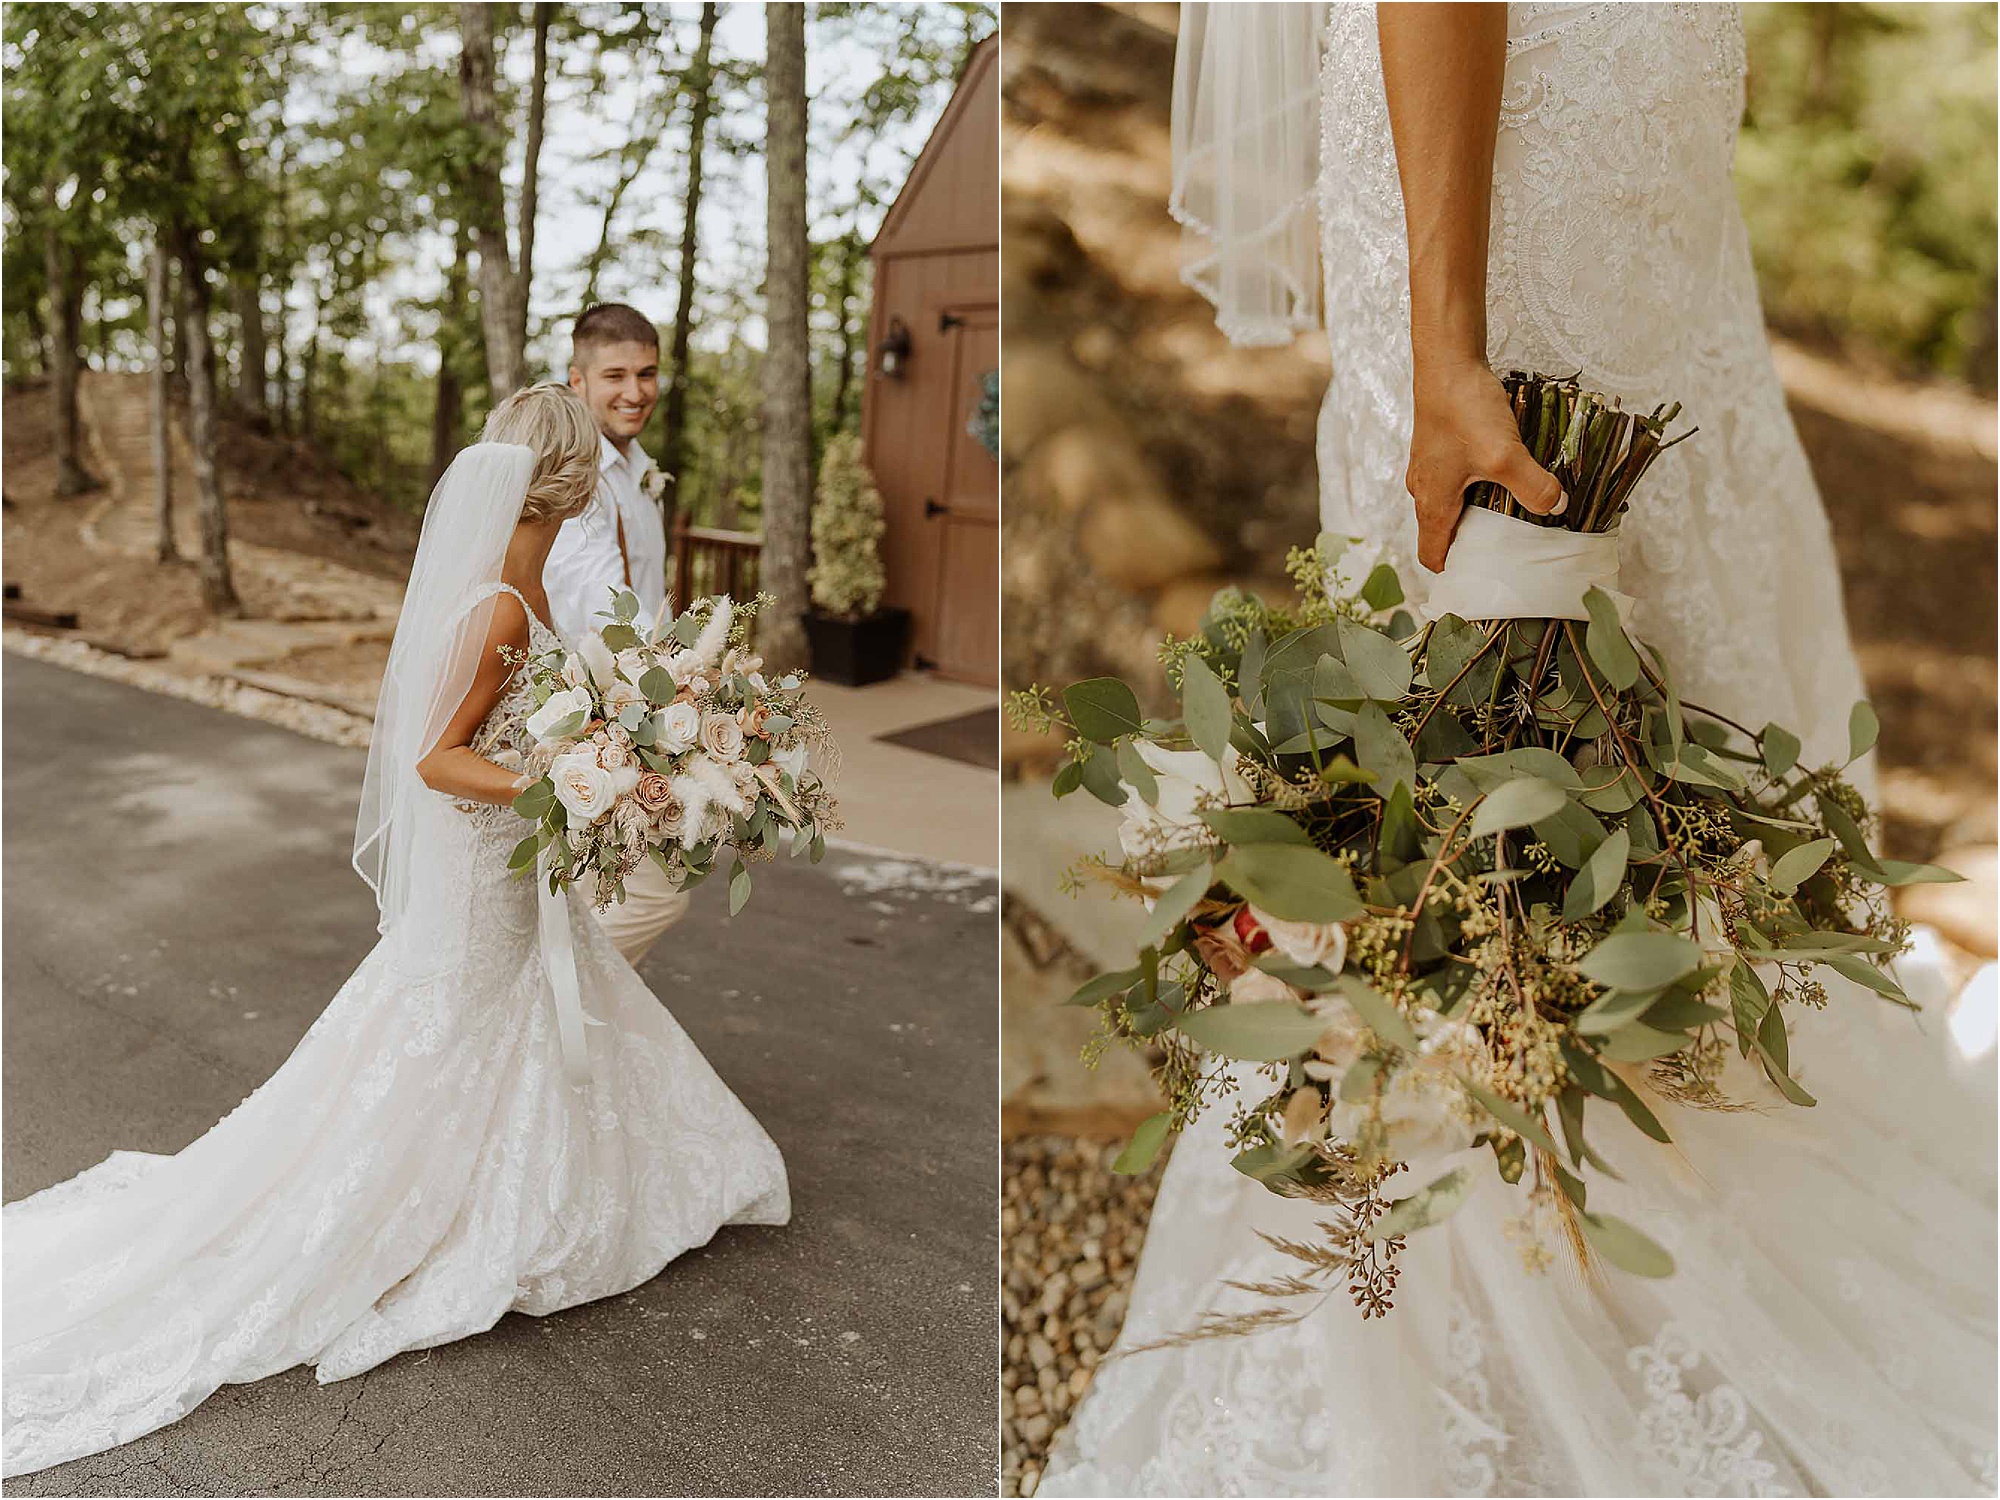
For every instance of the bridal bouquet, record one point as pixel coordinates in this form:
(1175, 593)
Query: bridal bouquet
(669, 743)
(1453, 884)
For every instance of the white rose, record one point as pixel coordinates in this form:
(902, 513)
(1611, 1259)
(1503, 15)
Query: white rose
(792, 761)
(1306, 943)
(573, 670)
(683, 665)
(598, 658)
(611, 754)
(721, 736)
(677, 727)
(621, 694)
(634, 663)
(559, 707)
(1188, 782)
(583, 787)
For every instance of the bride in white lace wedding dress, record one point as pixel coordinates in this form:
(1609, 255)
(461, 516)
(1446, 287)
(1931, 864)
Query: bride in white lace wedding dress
(1830, 1327)
(422, 1163)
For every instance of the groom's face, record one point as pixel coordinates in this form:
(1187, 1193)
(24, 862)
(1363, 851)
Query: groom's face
(620, 383)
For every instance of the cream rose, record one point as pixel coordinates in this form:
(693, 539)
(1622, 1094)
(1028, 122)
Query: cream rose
(677, 727)
(611, 753)
(1305, 943)
(754, 717)
(560, 706)
(634, 663)
(583, 787)
(654, 792)
(721, 736)
(619, 694)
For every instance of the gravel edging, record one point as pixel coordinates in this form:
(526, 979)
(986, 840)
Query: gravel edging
(315, 721)
(1071, 1231)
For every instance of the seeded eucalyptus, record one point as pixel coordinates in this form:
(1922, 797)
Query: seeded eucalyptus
(1432, 888)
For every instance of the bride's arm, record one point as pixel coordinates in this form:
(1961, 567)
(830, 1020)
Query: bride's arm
(451, 767)
(1441, 71)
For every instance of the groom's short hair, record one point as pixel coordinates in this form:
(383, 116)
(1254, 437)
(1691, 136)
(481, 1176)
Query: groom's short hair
(610, 323)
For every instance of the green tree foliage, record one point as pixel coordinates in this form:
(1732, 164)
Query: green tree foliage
(316, 152)
(1866, 172)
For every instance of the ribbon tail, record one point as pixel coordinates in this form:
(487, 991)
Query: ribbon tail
(559, 963)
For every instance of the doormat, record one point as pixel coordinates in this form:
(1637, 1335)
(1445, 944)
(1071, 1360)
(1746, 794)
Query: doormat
(973, 738)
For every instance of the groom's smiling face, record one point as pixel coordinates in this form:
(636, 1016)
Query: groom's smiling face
(620, 383)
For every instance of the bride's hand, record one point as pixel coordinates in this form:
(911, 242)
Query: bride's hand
(1465, 432)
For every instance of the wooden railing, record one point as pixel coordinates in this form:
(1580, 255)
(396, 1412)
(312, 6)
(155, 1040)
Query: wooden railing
(709, 561)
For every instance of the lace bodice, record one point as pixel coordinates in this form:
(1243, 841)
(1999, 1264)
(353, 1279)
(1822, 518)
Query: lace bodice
(1617, 249)
(503, 735)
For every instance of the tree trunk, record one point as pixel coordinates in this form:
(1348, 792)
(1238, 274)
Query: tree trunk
(309, 372)
(447, 410)
(503, 290)
(218, 590)
(65, 336)
(674, 416)
(246, 292)
(163, 415)
(787, 369)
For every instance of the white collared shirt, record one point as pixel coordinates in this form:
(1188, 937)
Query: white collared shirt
(584, 567)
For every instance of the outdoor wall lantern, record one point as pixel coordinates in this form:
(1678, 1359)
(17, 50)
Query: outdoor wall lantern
(892, 355)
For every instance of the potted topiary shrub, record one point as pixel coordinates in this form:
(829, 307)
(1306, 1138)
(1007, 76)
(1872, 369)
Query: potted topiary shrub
(854, 640)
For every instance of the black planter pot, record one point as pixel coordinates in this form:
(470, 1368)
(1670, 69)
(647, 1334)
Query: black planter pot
(855, 653)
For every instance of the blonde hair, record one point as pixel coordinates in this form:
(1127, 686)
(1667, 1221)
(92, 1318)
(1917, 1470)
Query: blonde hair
(553, 421)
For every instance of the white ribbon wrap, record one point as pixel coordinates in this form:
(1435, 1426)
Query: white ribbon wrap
(559, 963)
(1500, 568)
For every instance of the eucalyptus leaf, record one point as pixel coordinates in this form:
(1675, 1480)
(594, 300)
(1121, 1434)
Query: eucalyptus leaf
(1381, 668)
(1427, 1206)
(1605, 639)
(1796, 866)
(1640, 960)
(1144, 1147)
(1172, 908)
(739, 888)
(1862, 729)
(1599, 879)
(1625, 1246)
(1780, 749)
(1639, 1042)
(1379, 745)
(1260, 1031)
(1293, 882)
(1516, 803)
(1135, 773)
(1102, 709)
(1514, 1118)
(1254, 825)
(1205, 703)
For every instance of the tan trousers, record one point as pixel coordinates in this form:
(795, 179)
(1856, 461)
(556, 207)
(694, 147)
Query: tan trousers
(652, 904)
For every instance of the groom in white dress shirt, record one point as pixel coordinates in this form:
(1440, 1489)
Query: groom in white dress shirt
(617, 542)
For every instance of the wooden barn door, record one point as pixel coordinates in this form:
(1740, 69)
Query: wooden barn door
(959, 635)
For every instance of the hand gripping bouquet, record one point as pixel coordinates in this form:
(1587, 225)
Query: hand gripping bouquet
(1466, 883)
(669, 743)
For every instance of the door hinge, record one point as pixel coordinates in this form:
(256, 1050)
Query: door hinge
(932, 508)
(949, 321)
(923, 663)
